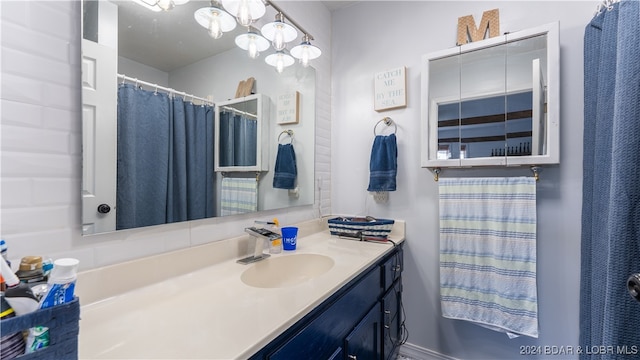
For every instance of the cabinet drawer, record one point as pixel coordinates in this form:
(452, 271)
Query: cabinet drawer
(391, 269)
(325, 333)
(390, 304)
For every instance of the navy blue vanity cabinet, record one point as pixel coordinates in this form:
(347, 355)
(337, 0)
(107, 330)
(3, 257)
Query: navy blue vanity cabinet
(364, 341)
(337, 355)
(352, 323)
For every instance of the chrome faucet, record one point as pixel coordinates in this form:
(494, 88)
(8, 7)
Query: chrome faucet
(259, 235)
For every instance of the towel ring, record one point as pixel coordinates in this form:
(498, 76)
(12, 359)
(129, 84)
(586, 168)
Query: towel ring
(387, 121)
(286, 132)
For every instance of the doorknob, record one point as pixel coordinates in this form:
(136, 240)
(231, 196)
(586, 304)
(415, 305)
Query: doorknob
(104, 208)
(633, 284)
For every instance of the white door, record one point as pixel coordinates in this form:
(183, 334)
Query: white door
(99, 130)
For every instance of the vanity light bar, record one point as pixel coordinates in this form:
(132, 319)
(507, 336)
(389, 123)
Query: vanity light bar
(278, 32)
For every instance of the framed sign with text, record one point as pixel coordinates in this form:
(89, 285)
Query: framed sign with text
(390, 89)
(287, 108)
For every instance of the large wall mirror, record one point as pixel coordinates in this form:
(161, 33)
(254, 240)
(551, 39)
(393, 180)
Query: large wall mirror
(130, 56)
(493, 102)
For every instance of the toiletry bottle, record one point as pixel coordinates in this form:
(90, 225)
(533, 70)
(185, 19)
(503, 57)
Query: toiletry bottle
(275, 247)
(61, 283)
(19, 295)
(30, 270)
(4, 250)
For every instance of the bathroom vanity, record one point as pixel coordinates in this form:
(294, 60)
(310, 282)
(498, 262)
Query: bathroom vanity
(345, 303)
(361, 320)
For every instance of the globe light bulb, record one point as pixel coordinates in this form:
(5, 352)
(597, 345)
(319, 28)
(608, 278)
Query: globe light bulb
(305, 57)
(244, 14)
(215, 27)
(280, 65)
(278, 39)
(253, 48)
(165, 5)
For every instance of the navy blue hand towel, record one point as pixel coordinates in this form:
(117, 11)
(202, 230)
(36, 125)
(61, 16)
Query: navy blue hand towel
(286, 170)
(383, 166)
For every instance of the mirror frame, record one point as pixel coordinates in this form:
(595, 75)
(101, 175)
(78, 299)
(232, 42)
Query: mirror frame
(429, 136)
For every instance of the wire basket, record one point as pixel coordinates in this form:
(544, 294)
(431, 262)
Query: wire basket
(63, 323)
(355, 226)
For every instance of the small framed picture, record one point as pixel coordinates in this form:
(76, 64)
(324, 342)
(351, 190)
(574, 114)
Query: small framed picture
(390, 89)
(287, 111)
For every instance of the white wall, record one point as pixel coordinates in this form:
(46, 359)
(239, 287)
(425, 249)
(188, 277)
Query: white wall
(373, 36)
(40, 207)
(136, 70)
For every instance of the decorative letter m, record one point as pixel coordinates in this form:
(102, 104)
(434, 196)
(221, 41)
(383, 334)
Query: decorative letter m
(467, 27)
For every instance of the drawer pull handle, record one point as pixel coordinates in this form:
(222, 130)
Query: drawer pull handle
(387, 312)
(397, 268)
(352, 357)
(387, 327)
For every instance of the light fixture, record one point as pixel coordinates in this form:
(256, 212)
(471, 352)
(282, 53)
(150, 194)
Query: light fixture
(215, 20)
(305, 51)
(166, 4)
(253, 42)
(279, 32)
(279, 60)
(160, 5)
(245, 11)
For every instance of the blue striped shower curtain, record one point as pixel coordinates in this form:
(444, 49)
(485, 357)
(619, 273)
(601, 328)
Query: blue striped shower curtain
(165, 159)
(611, 182)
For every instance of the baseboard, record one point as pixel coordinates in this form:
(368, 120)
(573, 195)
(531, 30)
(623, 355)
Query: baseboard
(415, 352)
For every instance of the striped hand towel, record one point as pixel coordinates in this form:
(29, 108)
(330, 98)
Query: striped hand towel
(488, 253)
(239, 196)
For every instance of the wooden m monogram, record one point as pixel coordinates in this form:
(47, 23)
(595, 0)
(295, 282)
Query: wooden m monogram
(467, 27)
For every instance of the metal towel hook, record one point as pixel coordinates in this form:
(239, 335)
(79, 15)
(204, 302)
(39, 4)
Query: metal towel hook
(387, 121)
(286, 132)
(536, 172)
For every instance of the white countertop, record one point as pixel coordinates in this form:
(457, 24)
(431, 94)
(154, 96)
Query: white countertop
(210, 313)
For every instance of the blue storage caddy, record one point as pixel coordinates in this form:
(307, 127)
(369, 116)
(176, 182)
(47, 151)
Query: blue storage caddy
(366, 226)
(63, 323)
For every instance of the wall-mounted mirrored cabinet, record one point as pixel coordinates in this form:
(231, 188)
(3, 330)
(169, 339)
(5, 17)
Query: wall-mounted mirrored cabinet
(493, 102)
(241, 128)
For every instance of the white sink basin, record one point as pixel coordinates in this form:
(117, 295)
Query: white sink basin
(287, 270)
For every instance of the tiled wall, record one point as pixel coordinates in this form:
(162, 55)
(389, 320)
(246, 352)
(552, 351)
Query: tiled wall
(41, 142)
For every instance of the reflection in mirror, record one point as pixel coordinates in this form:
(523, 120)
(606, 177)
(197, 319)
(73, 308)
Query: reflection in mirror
(169, 57)
(482, 75)
(240, 124)
(238, 134)
(488, 102)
